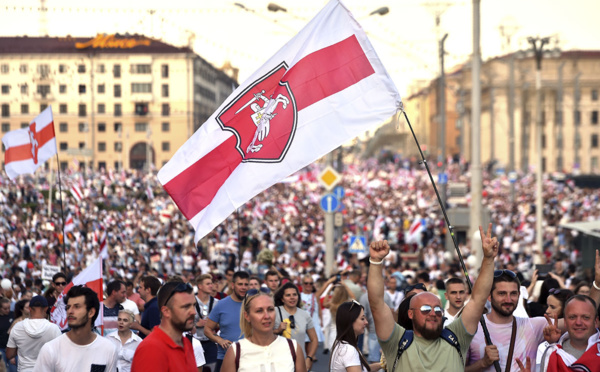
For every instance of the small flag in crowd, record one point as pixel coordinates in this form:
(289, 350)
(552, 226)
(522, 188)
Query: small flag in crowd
(323, 88)
(76, 192)
(69, 223)
(90, 277)
(149, 192)
(28, 148)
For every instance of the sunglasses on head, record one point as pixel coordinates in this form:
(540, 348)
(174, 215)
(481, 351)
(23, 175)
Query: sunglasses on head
(354, 302)
(308, 283)
(292, 322)
(415, 286)
(254, 292)
(499, 273)
(426, 309)
(554, 291)
(180, 288)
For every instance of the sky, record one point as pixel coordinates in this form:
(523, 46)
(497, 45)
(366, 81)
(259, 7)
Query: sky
(245, 33)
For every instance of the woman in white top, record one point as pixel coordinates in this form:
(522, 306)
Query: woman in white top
(261, 350)
(350, 323)
(125, 340)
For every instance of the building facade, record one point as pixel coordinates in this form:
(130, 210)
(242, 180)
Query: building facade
(118, 101)
(570, 86)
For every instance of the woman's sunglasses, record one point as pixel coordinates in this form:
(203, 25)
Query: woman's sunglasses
(292, 322)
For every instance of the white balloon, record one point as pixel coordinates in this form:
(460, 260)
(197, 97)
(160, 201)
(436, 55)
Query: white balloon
(6, 284)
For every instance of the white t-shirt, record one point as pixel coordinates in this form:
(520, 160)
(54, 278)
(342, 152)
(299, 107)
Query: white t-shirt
(28, 337)
(344, 356)
(62, 355)
(131, 306)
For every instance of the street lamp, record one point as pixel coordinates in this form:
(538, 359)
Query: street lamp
(537, 44)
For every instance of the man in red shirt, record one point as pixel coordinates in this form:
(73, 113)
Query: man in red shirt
(165, 349)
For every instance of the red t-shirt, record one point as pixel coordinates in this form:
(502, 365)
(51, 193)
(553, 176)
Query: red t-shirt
(158, 352)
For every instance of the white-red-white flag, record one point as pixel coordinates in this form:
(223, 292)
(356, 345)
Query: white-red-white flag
(413, 235)
(28, 148)
(100, 239)
(69, 223)
(76, 192)
(90, 277)
(323, 88)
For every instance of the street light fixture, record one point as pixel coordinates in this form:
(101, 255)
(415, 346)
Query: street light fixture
(272, 7)
(381, 11)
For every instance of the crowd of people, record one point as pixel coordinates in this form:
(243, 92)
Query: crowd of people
(265, 267)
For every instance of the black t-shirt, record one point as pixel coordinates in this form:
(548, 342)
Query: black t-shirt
(5, 322)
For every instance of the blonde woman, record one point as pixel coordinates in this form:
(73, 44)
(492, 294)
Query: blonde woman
(341, 294)
(261, 349)
(125, 340)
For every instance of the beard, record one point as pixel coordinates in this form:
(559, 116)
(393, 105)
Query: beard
(429, 334)
(501, 311)
(183, 326)
(77, 325)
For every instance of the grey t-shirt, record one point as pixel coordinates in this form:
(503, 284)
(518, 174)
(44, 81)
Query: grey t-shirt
(303, 322)
(364, 301)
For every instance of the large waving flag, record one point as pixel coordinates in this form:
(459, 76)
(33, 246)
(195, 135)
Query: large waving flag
(28, 148)
(323, 88)
(90, 277)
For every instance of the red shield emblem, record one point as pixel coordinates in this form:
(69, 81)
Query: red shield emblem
(263, 118)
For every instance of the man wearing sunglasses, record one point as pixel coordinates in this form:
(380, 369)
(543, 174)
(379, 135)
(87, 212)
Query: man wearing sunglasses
(166, 349)
(428, 351)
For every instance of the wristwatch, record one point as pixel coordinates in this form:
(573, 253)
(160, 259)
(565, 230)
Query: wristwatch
(311, 358)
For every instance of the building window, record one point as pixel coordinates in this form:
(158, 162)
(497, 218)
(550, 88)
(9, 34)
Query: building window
(24, 108)
(62, 108)
(43, 90)
(141, 109)
(594, 94)
(141, 69)
(595, 117)
(62, 89)
(164, 71)
(82, 127)
(101, 127)
(64, 165)
(63, 146)
(101, 108)
(4, 68)
(166, 146)
(101, 146)
(81, 145)
(141, 127)
(166, 110)
(81, 69)
(5, 89)
(101, 165)
(543, 141)
(118, 146)
(101, 68)
(117, 90)
(117, 71)
(594, 143)
(101, 88)
(43, 106)
(166, 127)
(577, 118)
(24, 125)
(24, 89)
(118, 109)
(165, 90)
(81, 88)
(5, 127)
(62, 68)
(82, 110)
(141, 88)
(594, 164)
(43, 70)
(23, 69)
(63, 127)
(118, 127)
(5, 110)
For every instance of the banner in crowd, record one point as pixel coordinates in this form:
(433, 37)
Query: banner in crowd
(28, 148)
(90, 277)
(323, 88)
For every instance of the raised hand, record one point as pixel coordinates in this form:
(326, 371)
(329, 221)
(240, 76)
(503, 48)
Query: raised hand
(490, 245)
(526, 367)
(551, 332)
(378, 250)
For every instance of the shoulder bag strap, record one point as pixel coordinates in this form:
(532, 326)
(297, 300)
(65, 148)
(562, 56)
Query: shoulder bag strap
(403, 344)
(198, 309)
(291, 345)
(451, 338)
(237, 356)
(211, 303)
(513, 336)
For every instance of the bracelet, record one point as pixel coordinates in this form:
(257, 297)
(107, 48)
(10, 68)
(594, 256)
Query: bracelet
(311, 358)
(595, 286)
(380, 262)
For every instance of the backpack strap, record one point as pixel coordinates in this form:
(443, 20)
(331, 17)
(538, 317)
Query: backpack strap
(198, 309)
(210, 304)
(291, 345)
(451, 338)
(403, 344)
(237, 356)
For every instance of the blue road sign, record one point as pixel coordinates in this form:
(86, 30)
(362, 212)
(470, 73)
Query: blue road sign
(339, 192)
(512, 177)
(358, 244)
(443, 178)
(329, 203)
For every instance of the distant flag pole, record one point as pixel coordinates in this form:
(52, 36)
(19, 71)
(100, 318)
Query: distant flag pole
(62, 216)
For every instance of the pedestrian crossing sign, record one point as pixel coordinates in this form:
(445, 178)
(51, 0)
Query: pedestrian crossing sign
(358, 244)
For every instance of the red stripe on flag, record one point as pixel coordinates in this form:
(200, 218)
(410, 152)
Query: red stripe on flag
(23, 152)
(315, 77)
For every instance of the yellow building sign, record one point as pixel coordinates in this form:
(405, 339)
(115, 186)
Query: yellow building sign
(104, 41)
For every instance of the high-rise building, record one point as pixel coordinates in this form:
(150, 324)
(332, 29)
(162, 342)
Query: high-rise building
(117, 100)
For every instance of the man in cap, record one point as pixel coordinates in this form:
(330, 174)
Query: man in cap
(28, 336)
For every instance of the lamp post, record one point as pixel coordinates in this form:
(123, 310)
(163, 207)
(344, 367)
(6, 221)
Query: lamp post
(538, 50)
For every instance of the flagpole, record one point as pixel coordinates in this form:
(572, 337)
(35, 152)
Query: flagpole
(237, 217)
(62, 216)
(486, 333)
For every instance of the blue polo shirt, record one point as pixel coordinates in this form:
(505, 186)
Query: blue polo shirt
(226, 313)
(150, 316)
